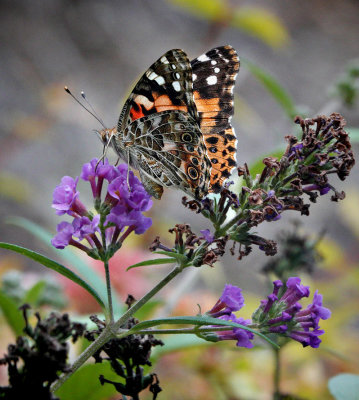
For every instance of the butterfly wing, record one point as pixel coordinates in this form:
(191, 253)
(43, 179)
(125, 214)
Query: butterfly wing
(167, 147)
(166, 85)
(214, 75)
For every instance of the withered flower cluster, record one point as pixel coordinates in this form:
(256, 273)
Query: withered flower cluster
(303, 170)
(127, 356)
(190, 249)
(35, 361)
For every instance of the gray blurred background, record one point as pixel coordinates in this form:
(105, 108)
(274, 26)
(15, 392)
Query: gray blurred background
(102, 47)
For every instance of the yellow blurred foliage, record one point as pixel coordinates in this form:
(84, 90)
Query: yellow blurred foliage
(256, 21)
(13, 187)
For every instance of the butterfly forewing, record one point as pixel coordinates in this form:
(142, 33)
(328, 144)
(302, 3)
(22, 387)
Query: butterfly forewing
(168, 148)
(166, 85)
(214, 75)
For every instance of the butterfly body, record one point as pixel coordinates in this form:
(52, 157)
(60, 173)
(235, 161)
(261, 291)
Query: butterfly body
(172, 127)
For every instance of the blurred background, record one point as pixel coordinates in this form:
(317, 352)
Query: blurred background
(296, 58)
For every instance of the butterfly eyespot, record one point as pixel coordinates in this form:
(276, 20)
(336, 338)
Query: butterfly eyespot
(190, 148)
(173, 66)
(214, 161)
(186, 137)
(213, 149)
(193, 173)
(195, 161)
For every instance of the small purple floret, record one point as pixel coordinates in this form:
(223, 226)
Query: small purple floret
(64, 234)
(242, 336)
(230, 300)
(65, 198)
(207, 235)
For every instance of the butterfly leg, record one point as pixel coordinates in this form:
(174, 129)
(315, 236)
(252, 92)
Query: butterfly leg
(152, 188)
(128, 169)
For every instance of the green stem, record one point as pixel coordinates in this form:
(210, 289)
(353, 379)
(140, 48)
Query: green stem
(109, 293)
(110, 331)
(181, 331)
(104, 337)
(126, 316)
(276, 374)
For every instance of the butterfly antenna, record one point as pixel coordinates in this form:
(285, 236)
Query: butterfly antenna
(83, 95)
(67, 90)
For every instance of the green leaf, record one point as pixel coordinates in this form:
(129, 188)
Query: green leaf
(90, 275)
(47, 262)
(147, 309)
(33, 294)
(258, 166)
(274, 88)
(85, 384)
(199, 321)
(344, 387)
(156, 261)
(353, 134)
(179, 257)
(12, 314)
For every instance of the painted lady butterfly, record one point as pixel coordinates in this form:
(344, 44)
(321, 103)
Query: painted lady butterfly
(175, 126)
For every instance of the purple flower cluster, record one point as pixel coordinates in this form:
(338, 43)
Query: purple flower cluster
(231, 300)
(282, 313)
(125, 201)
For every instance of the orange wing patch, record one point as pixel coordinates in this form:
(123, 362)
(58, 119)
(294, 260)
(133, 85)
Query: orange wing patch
(164, 103)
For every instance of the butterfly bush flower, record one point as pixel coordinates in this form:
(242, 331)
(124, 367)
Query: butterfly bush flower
(302, 172)
(231, 300)
(282, 313)
(121, 211)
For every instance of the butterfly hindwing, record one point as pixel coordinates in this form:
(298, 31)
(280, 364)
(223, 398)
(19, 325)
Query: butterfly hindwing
(167, 147)
(166, 85)
(214, 75)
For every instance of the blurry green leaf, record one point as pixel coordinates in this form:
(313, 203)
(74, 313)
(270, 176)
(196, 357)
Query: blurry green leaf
(12, 314)
(147, 309)
(257, 166)
(344, 387)
(9, 187)
(256, 21)
(85, 384)
(34, 293)
(213, 10)
(176, 343)
(274, 88)
(156, 261)
(262, 24)
(47, 262)
(78, 263)
(353, 134)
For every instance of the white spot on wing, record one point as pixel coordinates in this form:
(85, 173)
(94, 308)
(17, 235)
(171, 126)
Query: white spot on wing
(216, 70)
(194, 77)
(176, 86)
(211, 80)
(160, 80)
(164, 60)
(213, 62)
(177, 75)
(203, 57)
(151, 75)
